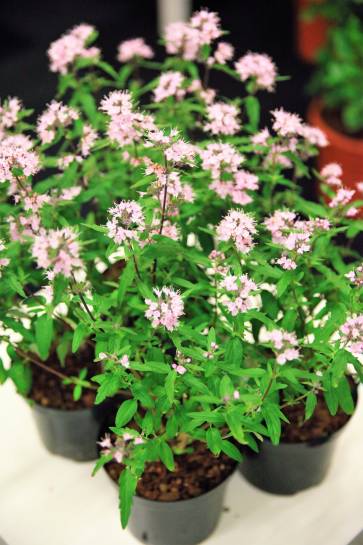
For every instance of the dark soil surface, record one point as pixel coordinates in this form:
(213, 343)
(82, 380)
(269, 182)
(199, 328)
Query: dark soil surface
(48, 390)
(320, 425)
(195, 474)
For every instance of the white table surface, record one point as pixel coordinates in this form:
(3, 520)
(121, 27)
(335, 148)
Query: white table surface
(47, 500)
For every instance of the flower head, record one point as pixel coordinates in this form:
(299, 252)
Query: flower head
(170, 84)
(224, 52)
(222, 119)
(285, 345)
(239, 228)
(57, 250)
(135, 48)
(241, 299)
(351, 334)
(126, 223)
(166, 309)
(71, 46)
(356, 276)
(56, 115)
(286, 123)
(258, 67)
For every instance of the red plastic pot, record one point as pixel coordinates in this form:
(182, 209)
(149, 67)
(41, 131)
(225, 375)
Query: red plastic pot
(342, 149)
(310, 35)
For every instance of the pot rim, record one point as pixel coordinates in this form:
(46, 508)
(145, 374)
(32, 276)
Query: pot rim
(41, 408)
(340, 139)
(182, 501)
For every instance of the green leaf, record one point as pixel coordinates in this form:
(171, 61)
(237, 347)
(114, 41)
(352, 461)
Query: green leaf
(234, 424)
(127, 487)
(330, 396)
(15, 285)
(125, 412)
(166, 456)
(214, 441)
(231, 450)
(271, 415)
(311, 401)
(253, 110)
(101, 462)
(79, 335)
(44, 335)
(170, 386)
(126, 280)
(21, 375)
(3, 373)
(345, 396)
(234, 351)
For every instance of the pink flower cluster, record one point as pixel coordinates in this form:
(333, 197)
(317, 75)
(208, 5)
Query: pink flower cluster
(286, 123)
(167, 308)
(218, 158)
(223, 53)
(57, 250)
(71, 46)
(4, 261)
(55, 116)
(186, 39)
(351, 334)
(126, 223)
(9, 112)
(170, 84)
(356, 276)
(239, 228)
(258, 67)
(180, 152)
(237, 188)
(284, 343)
(218, 260)
(222, 119)
(293, 234)
(120, 446)
(125, 125)
(331, 175)
(133, 49)
(15, 153)
(242, 287)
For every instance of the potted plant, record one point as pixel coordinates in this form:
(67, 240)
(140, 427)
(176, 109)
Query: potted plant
(336, 108)
(50, 184)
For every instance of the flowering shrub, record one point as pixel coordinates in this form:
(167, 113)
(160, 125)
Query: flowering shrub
(231, 297)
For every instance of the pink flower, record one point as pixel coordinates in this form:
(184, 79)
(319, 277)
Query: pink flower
(181, 39)
(356, 276)
(286, 263)
(331, 170)
(224, 52)
(13, 154)
(314, 136)
(71, 46)
(89, 137)
(170, 84)
(125, 361)
(207, 23)
(242, 288)
(286, 123)
(180, 152)
(24, 227)
(135, 48)
(237, 227)
(220, 158)
(57, 250)
(351, 334)
(223, 119)
(236, 394)
(180, 369)
(258, 67)
(55, 116)
(284, 344)
(9, 112)
(237, 187)
(342, 198)
(126, 223)
(261, 138)
(167, 308)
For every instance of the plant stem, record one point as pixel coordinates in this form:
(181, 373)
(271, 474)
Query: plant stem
(86, 307)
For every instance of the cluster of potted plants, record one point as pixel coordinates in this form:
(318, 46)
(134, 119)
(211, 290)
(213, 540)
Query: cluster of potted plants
(167, 291)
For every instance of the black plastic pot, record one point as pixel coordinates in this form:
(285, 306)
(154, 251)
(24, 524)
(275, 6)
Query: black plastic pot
(184, 522)
(289, 467)
(72, 434)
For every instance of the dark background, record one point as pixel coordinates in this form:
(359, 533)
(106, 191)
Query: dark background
(28, 27)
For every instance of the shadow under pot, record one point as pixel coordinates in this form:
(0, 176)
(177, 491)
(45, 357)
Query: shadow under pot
(167, 516)
(293, 466)
(70, 433)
